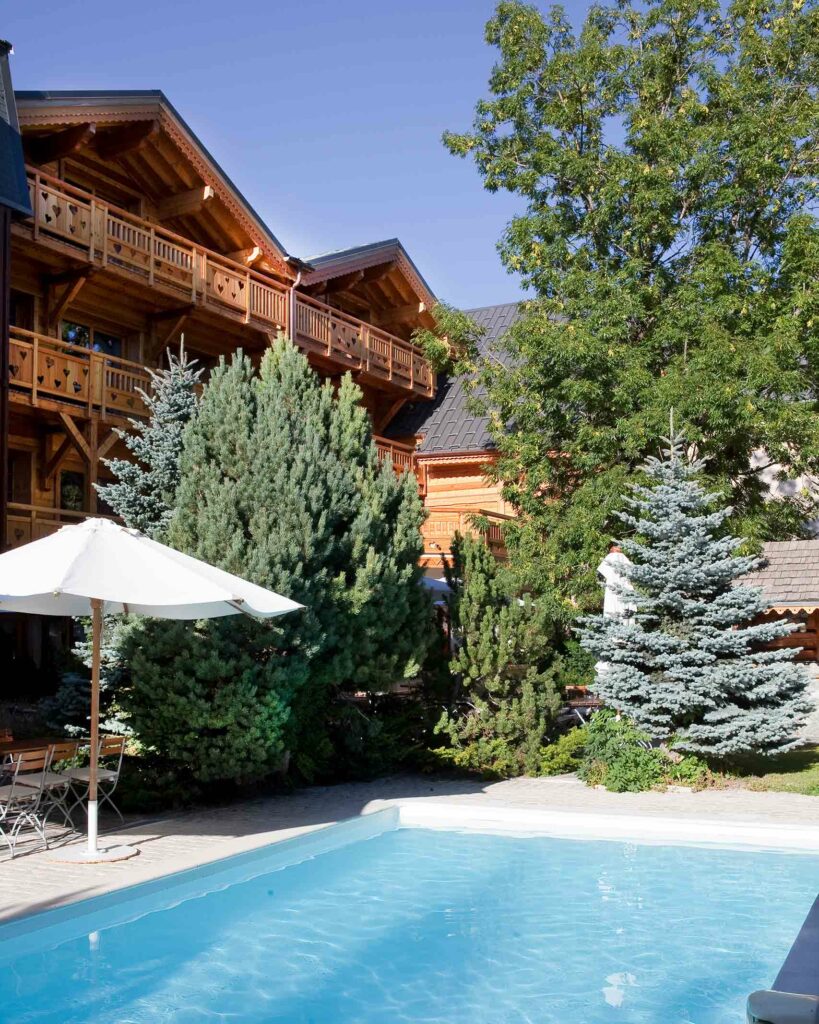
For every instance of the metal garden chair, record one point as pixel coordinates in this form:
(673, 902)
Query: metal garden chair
(109, 764)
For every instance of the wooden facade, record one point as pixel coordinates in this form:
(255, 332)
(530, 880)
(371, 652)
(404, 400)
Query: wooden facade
(137, 236)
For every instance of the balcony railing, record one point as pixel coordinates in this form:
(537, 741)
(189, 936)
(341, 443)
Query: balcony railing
(25, 523)
(359, 346)
(48, 368)
(442, 524)
(108, 236)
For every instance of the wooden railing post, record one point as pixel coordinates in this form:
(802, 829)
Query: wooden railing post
(152, 250)
(36, 206)
(247, 297)
(35, 368)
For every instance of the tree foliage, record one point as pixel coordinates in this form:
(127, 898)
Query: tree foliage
(504, 664)
(281, 484)
(667, 160)
(144, 492)
(690, 664)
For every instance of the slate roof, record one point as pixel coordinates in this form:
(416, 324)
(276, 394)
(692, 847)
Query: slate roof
(446, 423)
(791, 577)
(337, 260)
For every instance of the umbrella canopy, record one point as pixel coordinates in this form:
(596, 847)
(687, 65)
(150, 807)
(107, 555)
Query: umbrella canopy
(100, 568)
(127, 571)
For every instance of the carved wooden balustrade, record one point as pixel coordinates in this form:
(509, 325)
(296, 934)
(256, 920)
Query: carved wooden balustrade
(359, 346)
(50, 369)
(402, 457)
(25, 523)
(442, 524)
(108, 236)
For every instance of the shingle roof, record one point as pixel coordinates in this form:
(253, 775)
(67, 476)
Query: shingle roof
(336, 262)
(446, 423)
(791, 577)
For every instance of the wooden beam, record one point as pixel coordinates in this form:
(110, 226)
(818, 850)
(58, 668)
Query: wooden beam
(48, 470)
(107, 444)
(388, 414)
(376, 273)
(43, 149)
(247, 256)
(176, 321)
(74, 432)
(59, 303)
(336, 284)
(182, 203)
(400, 314)
(126, 139)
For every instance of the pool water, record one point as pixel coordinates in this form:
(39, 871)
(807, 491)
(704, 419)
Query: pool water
(428, 926)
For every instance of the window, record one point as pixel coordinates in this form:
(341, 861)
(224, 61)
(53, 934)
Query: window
(19, 478)
(93, 338)
(72, 490)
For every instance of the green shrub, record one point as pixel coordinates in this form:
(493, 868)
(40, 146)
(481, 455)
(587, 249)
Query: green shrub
(565, 754)
(617, 756)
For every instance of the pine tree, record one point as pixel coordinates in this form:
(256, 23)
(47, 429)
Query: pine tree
(504, 664)
(690, 664)
(143, 495)
(281, 484)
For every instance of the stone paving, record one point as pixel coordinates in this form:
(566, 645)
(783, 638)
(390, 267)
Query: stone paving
(33, 882)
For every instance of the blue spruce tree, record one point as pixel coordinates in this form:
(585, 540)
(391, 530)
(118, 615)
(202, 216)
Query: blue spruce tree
(145, 489)
(689, 664)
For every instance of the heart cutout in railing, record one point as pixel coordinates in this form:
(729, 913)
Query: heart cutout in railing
(14, 369)
(117, 248)
(44, 195)
(77, 387)
(57, 210)
(66, 372)
(73, 208)
(114, 396)
(47, 218)
(57, 382)
(23, 354)
(72, 229)
(40, 378)
(220, 287)
(85, 371)
(49, 362)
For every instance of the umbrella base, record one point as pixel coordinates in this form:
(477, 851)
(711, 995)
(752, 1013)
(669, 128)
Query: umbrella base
(82, 855)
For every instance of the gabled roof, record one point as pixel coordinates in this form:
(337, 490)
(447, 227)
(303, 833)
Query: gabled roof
(446, 423)
(790, 580)
(328, 265)
(67, 106)
(13, 184)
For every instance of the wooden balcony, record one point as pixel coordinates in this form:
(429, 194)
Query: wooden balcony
(81, 225)
(48, 371)
(358, 346)
(403, 459)
(443, 523)
(31, 522)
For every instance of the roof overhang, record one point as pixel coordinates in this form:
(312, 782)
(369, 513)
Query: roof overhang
(58, 108)
(345, 261)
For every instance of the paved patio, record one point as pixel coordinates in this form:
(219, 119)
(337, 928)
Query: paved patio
(32, 882)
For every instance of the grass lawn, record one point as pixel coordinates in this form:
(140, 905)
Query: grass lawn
(796, 772)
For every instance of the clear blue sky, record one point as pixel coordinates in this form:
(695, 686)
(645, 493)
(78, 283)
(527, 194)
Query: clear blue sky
(327, 115)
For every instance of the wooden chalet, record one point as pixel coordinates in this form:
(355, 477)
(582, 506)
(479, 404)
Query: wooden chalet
(790, 586)
(453, 448)
(136, 235)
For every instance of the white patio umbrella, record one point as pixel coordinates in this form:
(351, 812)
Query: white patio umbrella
(100, 568)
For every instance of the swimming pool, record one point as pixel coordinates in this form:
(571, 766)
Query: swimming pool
(419, 925)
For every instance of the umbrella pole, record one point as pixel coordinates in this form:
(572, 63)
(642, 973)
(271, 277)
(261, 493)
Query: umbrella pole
(96, 653)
